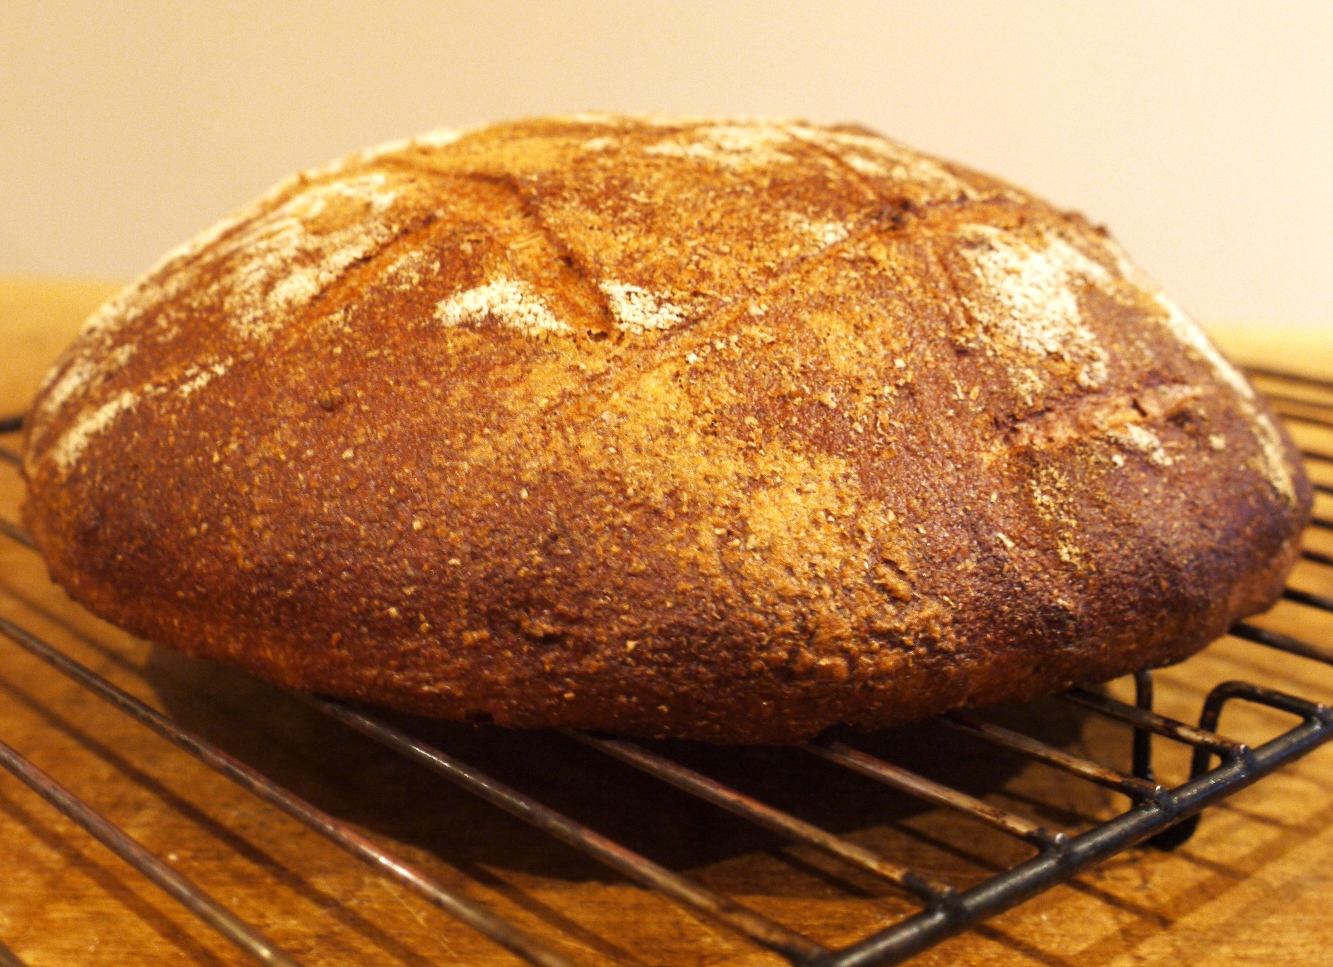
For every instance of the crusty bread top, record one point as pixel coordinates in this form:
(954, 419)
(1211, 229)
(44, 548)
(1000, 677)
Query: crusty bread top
(776, 402)
(649, 247)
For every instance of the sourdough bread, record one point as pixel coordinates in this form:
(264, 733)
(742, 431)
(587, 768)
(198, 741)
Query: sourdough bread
(724, 430)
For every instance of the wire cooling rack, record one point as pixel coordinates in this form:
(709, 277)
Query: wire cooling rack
(1165, 814)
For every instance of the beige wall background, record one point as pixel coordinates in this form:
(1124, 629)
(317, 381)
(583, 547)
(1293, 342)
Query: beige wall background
(1201, 133)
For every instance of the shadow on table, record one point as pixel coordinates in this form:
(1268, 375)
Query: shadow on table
(359, 780)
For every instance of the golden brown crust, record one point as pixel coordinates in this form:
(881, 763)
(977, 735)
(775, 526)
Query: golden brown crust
(727, 431)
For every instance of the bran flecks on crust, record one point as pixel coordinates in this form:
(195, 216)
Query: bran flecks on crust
(722, 430)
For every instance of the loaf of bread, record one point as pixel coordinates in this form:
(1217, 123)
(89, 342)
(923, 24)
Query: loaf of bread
(667, 427)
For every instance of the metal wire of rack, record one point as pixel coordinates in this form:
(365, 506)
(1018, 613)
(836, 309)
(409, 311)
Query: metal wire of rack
(1167, 816)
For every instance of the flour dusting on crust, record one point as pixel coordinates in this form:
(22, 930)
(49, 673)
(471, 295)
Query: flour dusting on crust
(199, 376)
(1026, 303)
(879, 158)
(409, 270)
(72, 443)
(70, 446)
(603, 118)
(95, 355)
(1138, 437)
(637, 310)
(1271, 462)
(83, 374)
(825, 232)
(279, 261)
(437, 138)
(287, 258)
(730, 145)
(170, 276)
(512, 304)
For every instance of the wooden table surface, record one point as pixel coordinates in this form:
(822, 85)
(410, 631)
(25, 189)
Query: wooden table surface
(1251, 888)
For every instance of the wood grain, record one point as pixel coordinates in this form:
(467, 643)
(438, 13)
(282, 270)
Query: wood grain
(1250, 888)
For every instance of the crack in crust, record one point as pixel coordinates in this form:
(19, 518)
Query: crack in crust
(531, 206)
